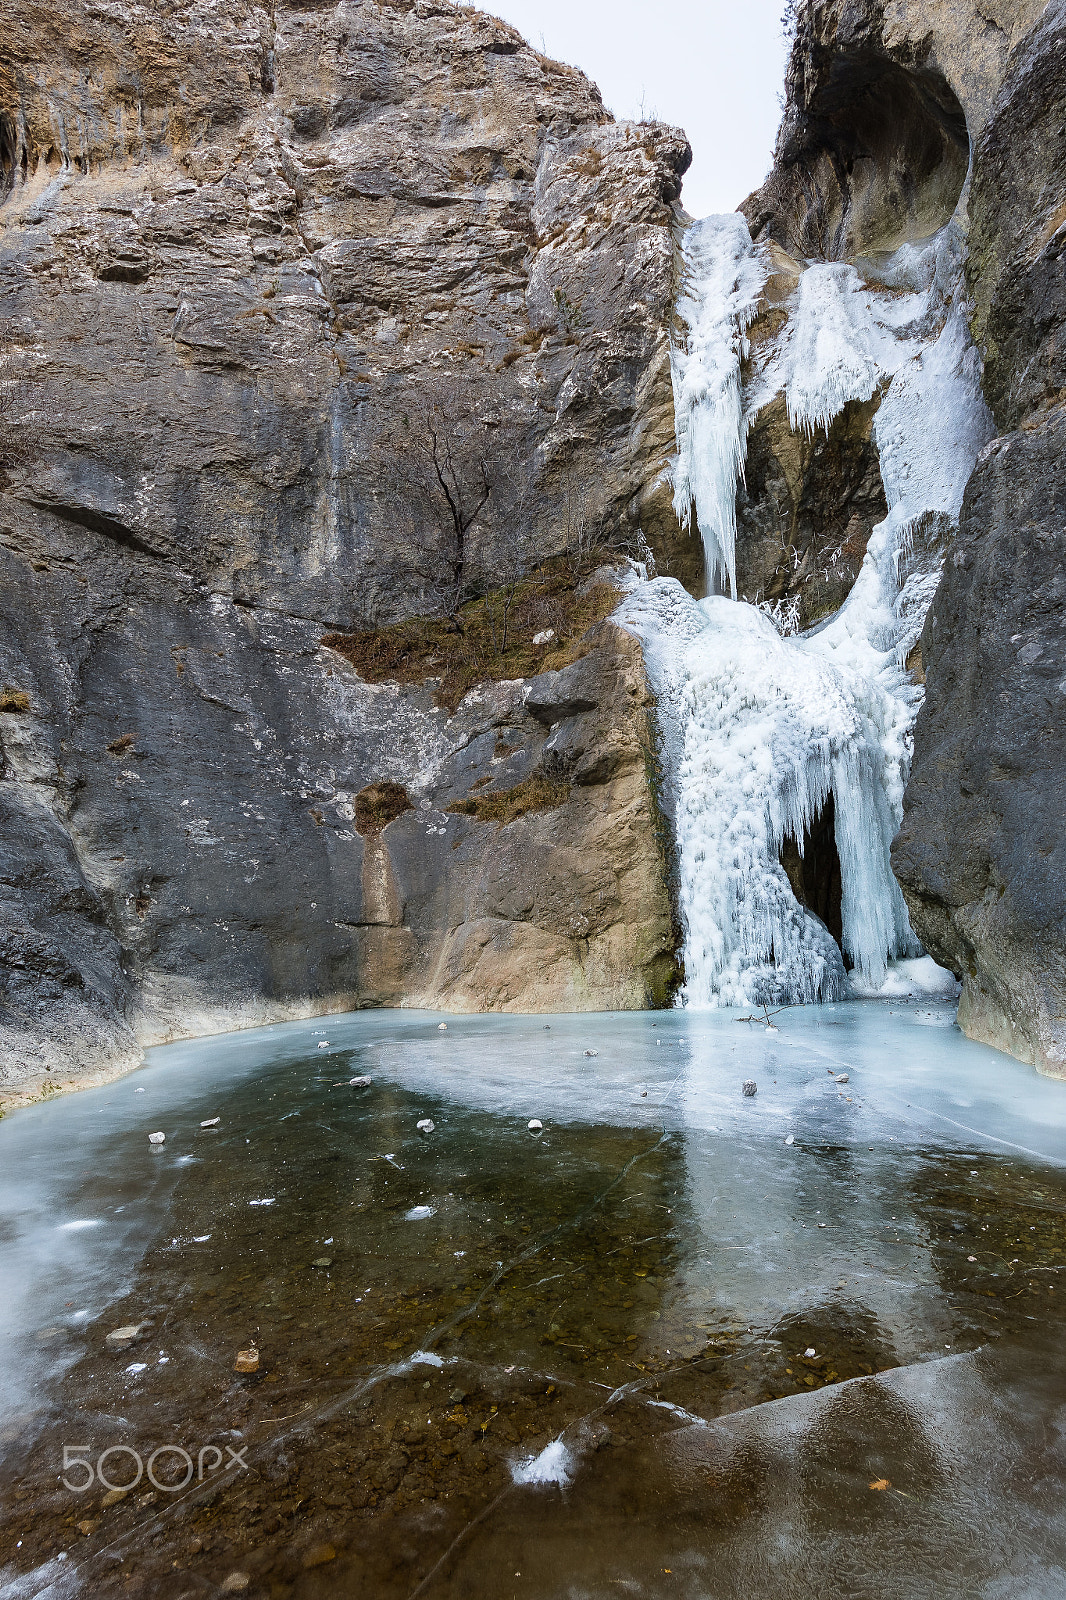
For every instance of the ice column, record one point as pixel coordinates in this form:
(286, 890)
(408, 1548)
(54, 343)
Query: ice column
(723, 278)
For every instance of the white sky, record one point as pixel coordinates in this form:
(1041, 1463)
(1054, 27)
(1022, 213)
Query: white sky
(712, 67)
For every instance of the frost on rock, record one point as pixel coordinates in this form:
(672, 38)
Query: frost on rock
(758, 730)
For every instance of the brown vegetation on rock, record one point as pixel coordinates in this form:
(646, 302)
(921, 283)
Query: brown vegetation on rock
(506, 805)
(379, 804)
(491, 638)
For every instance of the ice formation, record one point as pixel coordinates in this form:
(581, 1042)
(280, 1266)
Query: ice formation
(723, 280)
(759, 729)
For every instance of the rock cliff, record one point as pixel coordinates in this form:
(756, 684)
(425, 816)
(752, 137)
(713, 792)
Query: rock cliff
(981, 855)
(901, 115)
(312, 321)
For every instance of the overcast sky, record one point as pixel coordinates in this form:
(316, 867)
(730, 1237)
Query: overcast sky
(712, 67)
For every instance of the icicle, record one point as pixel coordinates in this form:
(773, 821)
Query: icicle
(724, 277)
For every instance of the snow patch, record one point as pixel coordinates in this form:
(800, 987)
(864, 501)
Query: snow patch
(555, 1464)
(921, 978)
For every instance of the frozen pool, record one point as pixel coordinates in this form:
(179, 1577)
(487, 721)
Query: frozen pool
(678, 1341)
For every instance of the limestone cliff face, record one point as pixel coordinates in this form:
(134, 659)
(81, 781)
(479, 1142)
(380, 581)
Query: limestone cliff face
(311, 320)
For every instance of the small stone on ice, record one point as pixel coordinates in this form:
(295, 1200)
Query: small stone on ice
(323, 1044)
(247, 1361)
(791, 1139)
(751, 1087)
(212, 1122)
(534, 1126)
(592, 1052)
(426, 1125)
(360, 1083)
(156, 1138)
(842, 1078)
(442, 1027)
(122, 1338)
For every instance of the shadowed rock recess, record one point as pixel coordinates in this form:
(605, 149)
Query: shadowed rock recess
(314, 322)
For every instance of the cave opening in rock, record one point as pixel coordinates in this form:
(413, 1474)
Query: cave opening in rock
(814, 874)
(877, 157)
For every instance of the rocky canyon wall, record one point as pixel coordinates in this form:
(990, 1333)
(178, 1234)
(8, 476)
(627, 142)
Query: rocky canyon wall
(314, 320)
(901, 115)
(982, 852)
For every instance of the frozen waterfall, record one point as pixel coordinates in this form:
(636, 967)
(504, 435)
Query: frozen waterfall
(721, 287)
(759, 730)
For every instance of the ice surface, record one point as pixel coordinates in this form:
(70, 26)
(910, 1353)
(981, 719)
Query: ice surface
(758, 730)
(636, 1294)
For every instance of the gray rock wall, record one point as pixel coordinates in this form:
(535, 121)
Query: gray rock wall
(245, 271)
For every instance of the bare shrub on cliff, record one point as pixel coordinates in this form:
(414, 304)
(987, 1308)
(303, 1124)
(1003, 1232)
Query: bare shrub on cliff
(449, 465)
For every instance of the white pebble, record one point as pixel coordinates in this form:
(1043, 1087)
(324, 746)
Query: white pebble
(323, 1044)
(426, 1125)
(360, 1083)
(212, 1122)
(442, 1027)
(534, 1126)
(843, 1078)
(156, 1138)
(810, 1353)
(592, 1052)
(791, 1139)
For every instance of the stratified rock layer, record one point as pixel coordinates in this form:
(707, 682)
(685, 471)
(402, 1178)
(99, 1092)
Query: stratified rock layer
(311, 320)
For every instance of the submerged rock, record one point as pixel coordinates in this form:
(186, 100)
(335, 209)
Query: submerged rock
(120, 1339)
